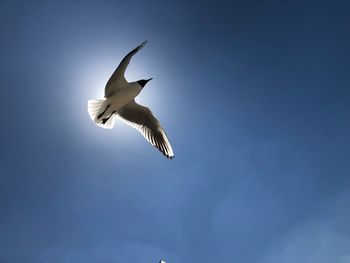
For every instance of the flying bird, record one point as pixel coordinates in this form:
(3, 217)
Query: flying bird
(119, 102)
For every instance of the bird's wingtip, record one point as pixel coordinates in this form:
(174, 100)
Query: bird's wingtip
(143, 44)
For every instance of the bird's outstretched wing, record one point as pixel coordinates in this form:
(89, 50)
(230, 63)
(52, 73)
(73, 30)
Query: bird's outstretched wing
(118, 74)
(142, 119)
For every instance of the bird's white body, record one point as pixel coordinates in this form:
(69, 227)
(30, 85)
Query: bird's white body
(121, 97)
(120, 102)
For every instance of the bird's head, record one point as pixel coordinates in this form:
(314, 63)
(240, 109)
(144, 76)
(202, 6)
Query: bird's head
(143, 82)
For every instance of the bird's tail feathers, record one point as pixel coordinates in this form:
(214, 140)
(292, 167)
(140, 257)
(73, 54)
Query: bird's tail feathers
(95, 108)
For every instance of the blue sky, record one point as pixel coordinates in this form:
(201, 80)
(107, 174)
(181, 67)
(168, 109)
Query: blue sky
(254, 96)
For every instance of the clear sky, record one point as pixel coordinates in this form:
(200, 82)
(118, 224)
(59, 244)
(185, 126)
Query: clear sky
(254, 96)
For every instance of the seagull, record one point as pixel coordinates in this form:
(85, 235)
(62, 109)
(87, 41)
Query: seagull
(119, 102)
(162, 261)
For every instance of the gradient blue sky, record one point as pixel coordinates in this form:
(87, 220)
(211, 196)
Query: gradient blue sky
(254, 96)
